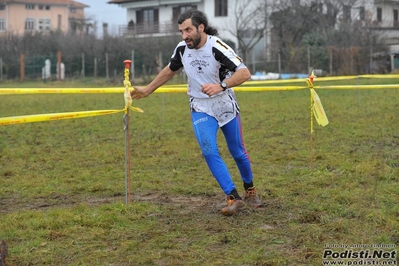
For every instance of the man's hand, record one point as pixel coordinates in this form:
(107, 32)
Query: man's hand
(211, 89)
(139, 92)
(163, 77)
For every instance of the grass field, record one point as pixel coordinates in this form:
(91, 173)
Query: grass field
(62, 193)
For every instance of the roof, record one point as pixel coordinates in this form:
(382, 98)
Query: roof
(78, 4)
(159, 2)
(56, 2)
(122, 1)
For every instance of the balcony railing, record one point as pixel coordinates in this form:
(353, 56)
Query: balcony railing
(148, 29)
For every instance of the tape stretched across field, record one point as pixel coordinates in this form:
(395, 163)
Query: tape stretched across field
(249, 86)
(69, 115)
(52, 117)
(175, 88)
(72, 115)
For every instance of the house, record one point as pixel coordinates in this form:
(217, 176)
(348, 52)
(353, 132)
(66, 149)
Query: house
(23, 16)
(158, 17)
(380, 16)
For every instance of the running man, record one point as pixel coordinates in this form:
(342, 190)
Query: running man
(212, 68)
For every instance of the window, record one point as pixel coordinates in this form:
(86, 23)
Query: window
(2, 25)
(181, 9)
(395, 18)
(320, 8)
(220, 8)
(148, 16)
(346, 13)
(47, 7)
(73, 10)
(44, 24)
(59, 22)
(244, 34)
(330, 10)
(147, 21)
(362, 13)
(2, 7)
(41, 7)
(379, 14)
(29, 24)
(29, 6)
(296, 3)
(73, 25)
(249, 33)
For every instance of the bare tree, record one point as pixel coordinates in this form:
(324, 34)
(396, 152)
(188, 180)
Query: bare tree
(10, 50)
(250, 20)
(300, 29)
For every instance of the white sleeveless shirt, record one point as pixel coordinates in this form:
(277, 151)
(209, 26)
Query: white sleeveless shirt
(210, 64)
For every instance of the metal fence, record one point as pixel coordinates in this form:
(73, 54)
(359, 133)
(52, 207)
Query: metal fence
(331, 61)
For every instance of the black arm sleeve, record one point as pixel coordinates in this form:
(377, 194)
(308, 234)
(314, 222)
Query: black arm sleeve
(176, 59)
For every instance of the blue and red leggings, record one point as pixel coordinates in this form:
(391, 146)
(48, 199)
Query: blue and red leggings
(205, 129)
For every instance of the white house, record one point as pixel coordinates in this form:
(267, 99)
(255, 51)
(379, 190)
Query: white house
(158, 17)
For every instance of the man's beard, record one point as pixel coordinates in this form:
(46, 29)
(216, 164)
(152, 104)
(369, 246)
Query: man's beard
(195, 41)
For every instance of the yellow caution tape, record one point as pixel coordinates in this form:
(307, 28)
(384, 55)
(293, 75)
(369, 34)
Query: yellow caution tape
(183, 88)
(14, 120)
(276, 88)
(241, 88)
(129, 101)
(63, 90)
(380, 76)
(51, 117)
(318, 109)
(128, 98)
(69, 115)
(357, 87)
(136, 109)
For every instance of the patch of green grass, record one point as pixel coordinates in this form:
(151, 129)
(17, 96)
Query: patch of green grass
(62, 192)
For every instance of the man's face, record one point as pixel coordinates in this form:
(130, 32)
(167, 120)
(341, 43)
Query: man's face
(190, 33)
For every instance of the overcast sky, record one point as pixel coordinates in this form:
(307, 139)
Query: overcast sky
(102, 12)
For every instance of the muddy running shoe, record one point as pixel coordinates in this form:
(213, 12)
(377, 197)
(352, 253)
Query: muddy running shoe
(3, 252)
(251, 198)
(233, 205)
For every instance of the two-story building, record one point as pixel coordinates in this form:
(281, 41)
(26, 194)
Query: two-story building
(158, 17)
(22, 16)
